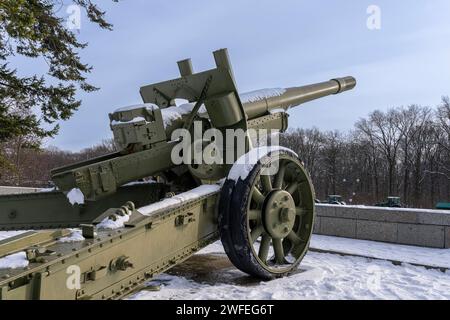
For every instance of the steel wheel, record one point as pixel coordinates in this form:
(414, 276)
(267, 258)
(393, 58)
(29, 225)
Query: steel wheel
(266, 220)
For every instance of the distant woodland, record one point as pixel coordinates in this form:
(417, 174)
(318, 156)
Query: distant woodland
(30, 167)
(404, 152)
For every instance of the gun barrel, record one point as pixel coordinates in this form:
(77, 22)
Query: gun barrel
(259, 103)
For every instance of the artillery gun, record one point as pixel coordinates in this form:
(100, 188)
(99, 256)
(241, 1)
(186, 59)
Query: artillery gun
(335, 199)
(168, 209)
(391, 202)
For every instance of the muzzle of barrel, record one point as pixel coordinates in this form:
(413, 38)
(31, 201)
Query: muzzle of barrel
(345, 84)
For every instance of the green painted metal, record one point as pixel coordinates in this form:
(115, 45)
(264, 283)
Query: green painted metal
(100, 179)
(147, 132)
(279, 214)
(114, 263)
(28, 239)
(296, 96)
(335, 199)
(443, 206)
(391, 202)
(53, 210)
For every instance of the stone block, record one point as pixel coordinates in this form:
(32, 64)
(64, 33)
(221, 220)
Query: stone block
(421, 235)
(447, 238)
(316, 228)
(325, 210)
(376, 231)
(338, 227)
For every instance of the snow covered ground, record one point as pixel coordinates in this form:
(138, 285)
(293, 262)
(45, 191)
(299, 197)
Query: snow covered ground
(438, 258)
(320, 276)
(210, 275)
(9, 234)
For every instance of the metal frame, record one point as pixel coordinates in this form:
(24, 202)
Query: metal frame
(140, 243)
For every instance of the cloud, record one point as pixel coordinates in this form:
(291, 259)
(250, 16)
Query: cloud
(272, 44)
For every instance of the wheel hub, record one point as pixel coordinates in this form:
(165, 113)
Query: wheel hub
(279, 214)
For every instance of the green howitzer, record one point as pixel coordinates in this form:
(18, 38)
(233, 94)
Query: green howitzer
(443, 206)
(174, 208)
(391, 202)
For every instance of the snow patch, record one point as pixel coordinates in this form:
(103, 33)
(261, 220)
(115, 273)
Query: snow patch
(169, 114)
(136, 183)
(279, 110)
(9, 234)
(148, 106)
(110, 224)
(172, 114)
(244, 165)
(75, 196)
(75, 236)
(446, 212)
(14, 261)
(379, 250)
(193, 194)
(134, 120)
(43, 190)
(321, 276)
(258, 95)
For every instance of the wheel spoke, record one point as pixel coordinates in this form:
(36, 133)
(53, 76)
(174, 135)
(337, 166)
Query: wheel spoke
(254, 214)
(278, 183)
(295, 239)
(256, 233)
(300, 211)
(291, 188)
(257, 196)
(279, 251)
(266, 183)
(264, 247)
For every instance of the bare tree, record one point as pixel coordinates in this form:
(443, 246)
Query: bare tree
(405, 149)
(385, 133)
(29, 166)
(332, 159)
(307, 143)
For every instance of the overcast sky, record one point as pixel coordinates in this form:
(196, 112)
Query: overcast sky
(279, 43)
